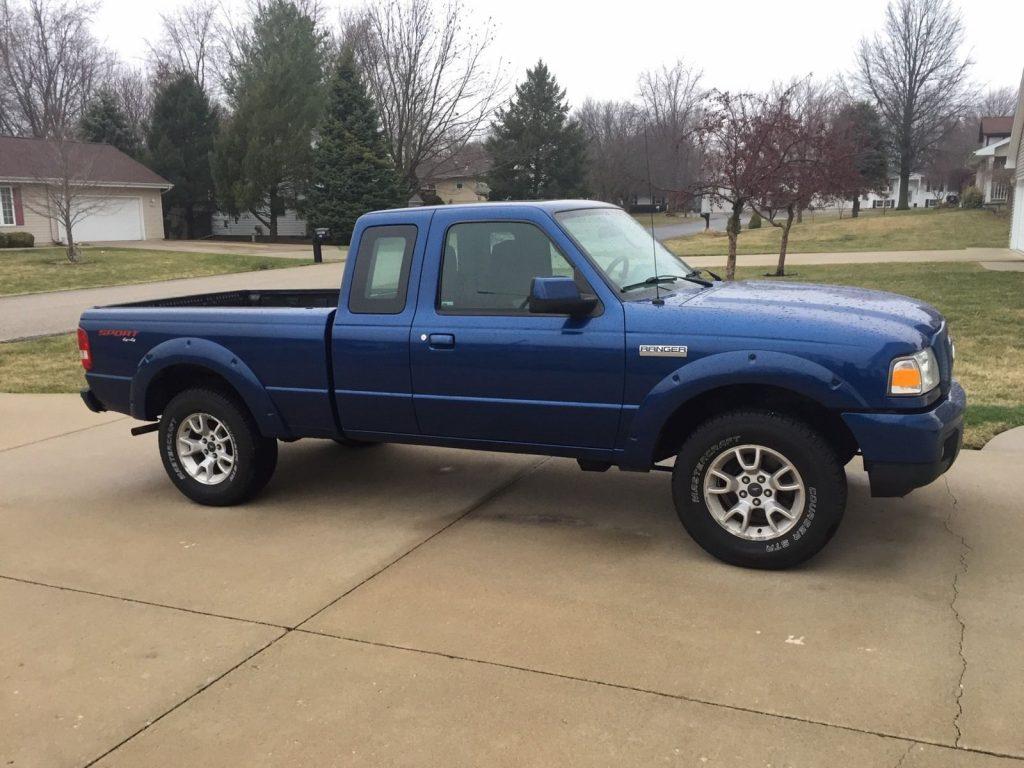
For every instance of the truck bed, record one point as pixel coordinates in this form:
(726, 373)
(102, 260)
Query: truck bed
(243, 299)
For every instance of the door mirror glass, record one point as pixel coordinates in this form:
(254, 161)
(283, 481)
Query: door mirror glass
(559, 296)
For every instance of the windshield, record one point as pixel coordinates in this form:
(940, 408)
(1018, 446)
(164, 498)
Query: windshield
(622, 248)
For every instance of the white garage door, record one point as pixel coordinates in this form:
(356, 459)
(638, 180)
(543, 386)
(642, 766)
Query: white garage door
(110, 218)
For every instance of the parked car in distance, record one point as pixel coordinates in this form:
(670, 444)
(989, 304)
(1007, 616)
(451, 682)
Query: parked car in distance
(554, 328)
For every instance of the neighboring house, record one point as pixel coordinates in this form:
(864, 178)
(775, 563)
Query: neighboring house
(124, 197)
(994, 129)
(1015, 169)
(458, 178)
(991, 176)
(289, 224)
(921, 193)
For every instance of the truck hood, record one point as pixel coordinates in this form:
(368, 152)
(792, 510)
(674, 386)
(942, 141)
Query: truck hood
(810, 312)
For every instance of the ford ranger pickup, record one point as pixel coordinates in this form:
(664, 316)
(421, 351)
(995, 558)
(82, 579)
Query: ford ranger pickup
(553, 328)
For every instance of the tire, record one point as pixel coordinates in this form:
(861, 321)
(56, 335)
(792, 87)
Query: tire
(799, 510)
(239, 461)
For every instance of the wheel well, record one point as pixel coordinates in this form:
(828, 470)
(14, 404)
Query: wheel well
(696, 410)
(175, 379)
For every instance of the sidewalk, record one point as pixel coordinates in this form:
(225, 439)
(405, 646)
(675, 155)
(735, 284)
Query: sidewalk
(990, 258)
(41, 314)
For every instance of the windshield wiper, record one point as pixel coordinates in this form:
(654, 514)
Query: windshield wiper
(652, 280)
(695, 272)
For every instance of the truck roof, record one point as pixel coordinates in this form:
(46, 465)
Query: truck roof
(551, 206)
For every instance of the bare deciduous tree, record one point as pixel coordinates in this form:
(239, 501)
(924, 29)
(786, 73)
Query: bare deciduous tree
(670, 98)
(65, 187)
(749, 144)
(914, 71)
(50, 64)
(614, 149)
(428, 73)
(998, 102)
(192, 41)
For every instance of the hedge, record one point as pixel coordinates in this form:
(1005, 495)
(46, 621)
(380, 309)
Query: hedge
(17, 240)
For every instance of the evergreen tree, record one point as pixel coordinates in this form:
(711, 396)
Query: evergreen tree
(860, 128)
(537, 151)
(352, 170)
(263, 157)
(180, 138)
(104, 120)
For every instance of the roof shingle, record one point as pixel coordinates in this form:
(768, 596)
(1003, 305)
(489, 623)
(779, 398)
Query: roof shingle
(25, 158)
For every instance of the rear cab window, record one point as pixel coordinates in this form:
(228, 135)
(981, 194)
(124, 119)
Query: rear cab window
(380, 281)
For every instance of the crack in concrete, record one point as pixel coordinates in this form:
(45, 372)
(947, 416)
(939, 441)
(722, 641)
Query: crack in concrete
(965, 550)
(905, 755)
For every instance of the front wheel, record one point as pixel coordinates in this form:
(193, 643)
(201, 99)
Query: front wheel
(759, 489)
(212, 449)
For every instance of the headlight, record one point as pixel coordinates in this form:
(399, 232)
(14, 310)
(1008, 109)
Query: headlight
(915, 374)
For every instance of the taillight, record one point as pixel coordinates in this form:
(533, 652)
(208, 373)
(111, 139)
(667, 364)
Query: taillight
(83, 349)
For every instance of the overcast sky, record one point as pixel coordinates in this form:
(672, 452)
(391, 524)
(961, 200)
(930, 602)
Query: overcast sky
(596, 49)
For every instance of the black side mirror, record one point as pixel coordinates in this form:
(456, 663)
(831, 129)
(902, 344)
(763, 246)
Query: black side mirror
(559, 296)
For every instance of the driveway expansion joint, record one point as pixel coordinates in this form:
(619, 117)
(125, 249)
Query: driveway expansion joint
(62, 434)
(910, 740)
(472, 507)
(965, 550)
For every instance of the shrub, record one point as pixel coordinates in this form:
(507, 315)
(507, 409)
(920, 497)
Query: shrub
(755, 221)
(17, 240)
(972, 198)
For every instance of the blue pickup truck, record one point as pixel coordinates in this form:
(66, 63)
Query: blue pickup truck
(554, 328)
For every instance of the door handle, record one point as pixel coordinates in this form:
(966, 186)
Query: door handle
(440, 340)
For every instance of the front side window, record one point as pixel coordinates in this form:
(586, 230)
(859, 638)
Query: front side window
(489, 266)
(380, 281)
(6, 207)
(622, 248)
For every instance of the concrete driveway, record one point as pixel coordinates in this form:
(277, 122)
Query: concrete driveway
(414, 606)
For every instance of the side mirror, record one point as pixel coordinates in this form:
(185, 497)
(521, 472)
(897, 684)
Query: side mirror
(559, 296)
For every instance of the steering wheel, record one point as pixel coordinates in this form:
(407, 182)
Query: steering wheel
(622, 262)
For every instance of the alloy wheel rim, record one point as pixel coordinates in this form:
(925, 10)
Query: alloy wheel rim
(206, 448)
(754, 492)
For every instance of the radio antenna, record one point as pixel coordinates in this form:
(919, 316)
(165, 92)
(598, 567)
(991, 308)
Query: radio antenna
(658, 301)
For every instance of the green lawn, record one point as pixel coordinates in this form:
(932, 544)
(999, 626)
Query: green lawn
(664, 219)
(985, 310)
(895, 231)
(46, 269)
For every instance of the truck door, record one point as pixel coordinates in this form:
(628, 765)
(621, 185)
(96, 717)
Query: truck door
(370, 337)
(483, 367)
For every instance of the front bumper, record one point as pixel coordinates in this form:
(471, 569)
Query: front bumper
(904, 451)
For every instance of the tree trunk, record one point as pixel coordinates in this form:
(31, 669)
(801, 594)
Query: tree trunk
(903, 204)
(780, 269)
(190, 222)
(71, 252)
(732, 229)
(274, 209)
(856, 207)
(800, 215)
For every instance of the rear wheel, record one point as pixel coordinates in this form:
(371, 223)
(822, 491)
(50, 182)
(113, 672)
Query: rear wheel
(759, 489)
(212, 450)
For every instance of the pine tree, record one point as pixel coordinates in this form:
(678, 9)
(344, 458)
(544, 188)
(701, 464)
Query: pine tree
(180, 140)
(537, 151)
(105, 121)
(263, 157)
(352, 170)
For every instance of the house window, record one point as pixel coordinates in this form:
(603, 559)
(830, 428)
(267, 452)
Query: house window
(458, 185)
(6, 207)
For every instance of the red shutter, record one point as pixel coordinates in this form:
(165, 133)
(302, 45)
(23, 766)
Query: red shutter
(19, 212)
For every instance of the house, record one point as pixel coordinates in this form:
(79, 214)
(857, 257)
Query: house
(991, 176)
(1015, 170)
(994, 129)
(245, 225)
(458, 178)
(121, 195)
(921, 193)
